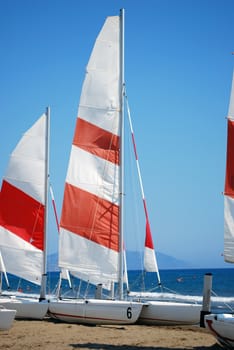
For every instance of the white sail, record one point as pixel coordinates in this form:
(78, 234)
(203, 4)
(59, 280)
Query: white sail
(89, 227)
(22, 206)
(90, 240)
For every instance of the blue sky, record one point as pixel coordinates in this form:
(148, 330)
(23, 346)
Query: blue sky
(178, 74)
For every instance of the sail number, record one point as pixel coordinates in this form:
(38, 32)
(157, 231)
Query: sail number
(129, 312)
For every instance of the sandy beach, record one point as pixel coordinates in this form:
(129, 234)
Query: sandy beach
(51, 335)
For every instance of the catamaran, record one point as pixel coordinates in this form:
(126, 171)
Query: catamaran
(163, 307)
(91, 225)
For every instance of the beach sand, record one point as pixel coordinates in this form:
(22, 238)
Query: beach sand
(52, 335)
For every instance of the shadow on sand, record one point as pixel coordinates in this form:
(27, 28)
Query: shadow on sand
(95, 346)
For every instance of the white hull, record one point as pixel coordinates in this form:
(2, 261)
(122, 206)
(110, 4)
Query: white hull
(95, 311)
(6, 318)
(170, 313)
(26, 308)
(222, 327)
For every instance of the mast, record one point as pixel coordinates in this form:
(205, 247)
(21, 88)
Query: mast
(122, 94)
(44, 269)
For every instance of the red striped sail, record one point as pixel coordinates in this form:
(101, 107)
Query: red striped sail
(150, 261)
(89, 226)
(229, 186)
(22, 205)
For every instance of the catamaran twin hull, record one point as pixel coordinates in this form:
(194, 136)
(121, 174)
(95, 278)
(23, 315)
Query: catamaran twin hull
(169, 313)
(26, 308)
(222, 327)
(92, 311)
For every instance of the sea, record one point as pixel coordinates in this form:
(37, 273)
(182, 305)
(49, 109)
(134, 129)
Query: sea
(179, 284)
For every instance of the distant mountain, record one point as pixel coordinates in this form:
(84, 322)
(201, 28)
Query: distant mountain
(134, 261)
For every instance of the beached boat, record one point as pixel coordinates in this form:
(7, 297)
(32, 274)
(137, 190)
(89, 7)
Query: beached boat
(162, 307)
(91, 227)
(222, 325)
(23, 219)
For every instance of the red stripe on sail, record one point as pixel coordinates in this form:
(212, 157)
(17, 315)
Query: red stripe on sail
(22, 215)
(96, 140)
(148, 236)
(90, 217)
(229, 181)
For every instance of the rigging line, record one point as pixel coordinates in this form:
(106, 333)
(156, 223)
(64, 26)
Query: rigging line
(140, 180)
(3, 271)
(226, 304)
(54, 207)
(66, 272)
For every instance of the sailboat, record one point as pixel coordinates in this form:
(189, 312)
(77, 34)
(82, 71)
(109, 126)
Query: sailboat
(160, 308)
(222, 325)
(91, 225)
(23, 219)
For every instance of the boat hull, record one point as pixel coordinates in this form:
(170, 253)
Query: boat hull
(169, 313)
(222, 327)
(26, 308)
(95, 311)
(6, 318)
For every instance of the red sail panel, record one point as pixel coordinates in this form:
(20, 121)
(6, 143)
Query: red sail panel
(90, 217)
(148, 237)
(229, 181)
(22, 215)
(97, 141)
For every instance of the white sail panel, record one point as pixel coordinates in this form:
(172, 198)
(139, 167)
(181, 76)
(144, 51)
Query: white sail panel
(26, 167)
(96, 175)
(150, 263)
(101, 88)
(231, 103)
(99, 266)
(229, 229)
(20, 257)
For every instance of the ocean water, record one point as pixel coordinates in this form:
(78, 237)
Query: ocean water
(186, 283)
